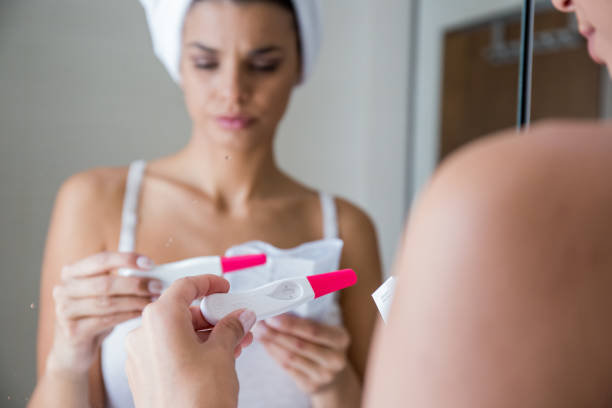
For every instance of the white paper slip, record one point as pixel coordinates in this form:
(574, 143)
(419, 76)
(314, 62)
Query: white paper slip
(383, 297)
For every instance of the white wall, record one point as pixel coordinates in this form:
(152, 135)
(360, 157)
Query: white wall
(79, 87)
(346, 131)
(435, 17)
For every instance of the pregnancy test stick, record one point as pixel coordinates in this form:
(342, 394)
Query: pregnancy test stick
(214, 265)
(277, 297)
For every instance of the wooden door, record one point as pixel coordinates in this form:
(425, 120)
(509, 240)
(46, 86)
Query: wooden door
(480, 95)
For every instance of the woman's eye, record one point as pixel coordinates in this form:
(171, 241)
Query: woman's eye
(265, 66)
(208, 65)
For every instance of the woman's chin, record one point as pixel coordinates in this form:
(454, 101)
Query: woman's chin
(236, 140)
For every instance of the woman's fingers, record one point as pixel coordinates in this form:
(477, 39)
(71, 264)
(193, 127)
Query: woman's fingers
(331, 336)
(108, 285)
(100, 306)
(89, 327)
(198, 321)
(103, 262)
(290, 360)
(246, 342)
(203, 335)
(95, 325)
(233, 329)
(302, 379)
(185, 290)
(312, 353)
(322, 355)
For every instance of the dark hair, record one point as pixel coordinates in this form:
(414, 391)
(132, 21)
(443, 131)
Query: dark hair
(286, 4)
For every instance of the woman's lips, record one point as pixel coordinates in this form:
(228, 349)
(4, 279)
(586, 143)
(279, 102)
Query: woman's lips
(589, 34)
(234, 122)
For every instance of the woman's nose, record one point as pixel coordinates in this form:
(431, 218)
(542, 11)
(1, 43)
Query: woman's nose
(233, 85)
(566, 6)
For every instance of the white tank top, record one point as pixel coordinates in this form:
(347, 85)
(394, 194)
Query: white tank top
(263, 383)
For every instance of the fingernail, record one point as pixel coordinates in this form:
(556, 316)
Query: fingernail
(155, 286)
(274, 322)
(247, 319)
(259, 330)
(144, 262)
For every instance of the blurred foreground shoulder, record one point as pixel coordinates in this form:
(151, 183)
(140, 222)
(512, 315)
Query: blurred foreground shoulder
(555, 164)
(503, 279)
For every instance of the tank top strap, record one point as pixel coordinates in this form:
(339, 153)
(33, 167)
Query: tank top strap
(129, 215)
(330, 216)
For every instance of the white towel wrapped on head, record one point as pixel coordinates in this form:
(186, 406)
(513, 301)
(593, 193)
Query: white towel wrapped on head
(166, 18)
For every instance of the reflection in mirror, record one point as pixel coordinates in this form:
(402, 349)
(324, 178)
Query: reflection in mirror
(466, 49)
(247, 155)
(485, 56)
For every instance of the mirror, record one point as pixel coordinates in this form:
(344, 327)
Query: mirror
(468, 48)
(397, 87)
(80, 88)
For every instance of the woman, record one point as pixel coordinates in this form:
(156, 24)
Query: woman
(516, 313)
(237, 64)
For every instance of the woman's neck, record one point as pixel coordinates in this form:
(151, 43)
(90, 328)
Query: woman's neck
(229, 177)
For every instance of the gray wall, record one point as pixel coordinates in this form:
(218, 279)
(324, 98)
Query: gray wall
(80, 87)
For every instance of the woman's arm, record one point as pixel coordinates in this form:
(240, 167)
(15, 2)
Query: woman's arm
(73, 234)
(361, 254)
(358, 309)
(81, 301)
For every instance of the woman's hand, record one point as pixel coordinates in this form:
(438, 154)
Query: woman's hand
(172, 362)
(314, 354)
(90, 302)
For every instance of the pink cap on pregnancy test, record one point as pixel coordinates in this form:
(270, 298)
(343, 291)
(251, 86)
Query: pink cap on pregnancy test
(235, 263)
(325, 283)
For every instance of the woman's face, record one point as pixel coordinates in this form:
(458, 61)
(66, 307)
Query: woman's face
(239, 64)
(595, 23)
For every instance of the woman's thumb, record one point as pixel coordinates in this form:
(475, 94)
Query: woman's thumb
(230, 330)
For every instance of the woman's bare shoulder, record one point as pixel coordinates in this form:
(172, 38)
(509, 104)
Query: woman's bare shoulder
(352, 220)
(358, 232)
(354, 225)
(505, 253)
(94, 194)
(554, 158)
(94, 187)
(515, 200)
